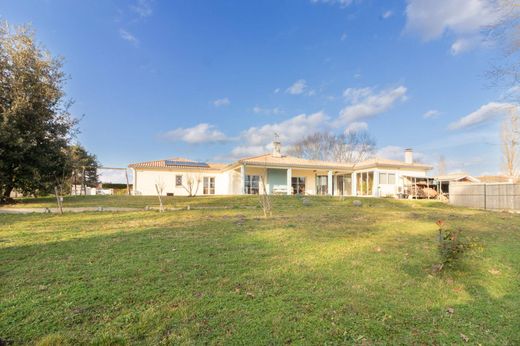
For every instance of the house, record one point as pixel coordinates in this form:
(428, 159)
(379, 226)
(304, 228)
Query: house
(498, 179)
(275, 173)
(444, 181)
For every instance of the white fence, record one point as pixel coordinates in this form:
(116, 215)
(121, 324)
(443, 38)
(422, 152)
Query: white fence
(492, 196)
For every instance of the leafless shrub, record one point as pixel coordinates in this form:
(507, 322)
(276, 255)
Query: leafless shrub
(192, 183)
(265, 200)
(159, 188)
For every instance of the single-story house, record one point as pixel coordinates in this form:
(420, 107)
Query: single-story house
(274, 173)
(444, 181)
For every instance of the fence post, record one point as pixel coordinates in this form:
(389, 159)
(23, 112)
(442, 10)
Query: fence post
(485, 196)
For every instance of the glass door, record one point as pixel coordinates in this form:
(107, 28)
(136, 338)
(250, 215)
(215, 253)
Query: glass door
(208, 186)
(321, 184)
(298, 185)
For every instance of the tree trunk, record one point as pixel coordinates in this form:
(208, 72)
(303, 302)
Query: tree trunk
(6, 196)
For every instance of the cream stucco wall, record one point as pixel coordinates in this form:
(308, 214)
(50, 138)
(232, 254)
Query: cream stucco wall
(229, 182)
(145, 180)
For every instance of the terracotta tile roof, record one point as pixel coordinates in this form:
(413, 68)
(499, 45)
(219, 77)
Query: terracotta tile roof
(179, 162)
(378, 162)
(457, 177)
(285, 160)
(497, 179)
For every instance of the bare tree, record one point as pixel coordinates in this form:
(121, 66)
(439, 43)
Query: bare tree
(505, 33)
(510, 140)
(159, 188)
(352, 147)
(265, 200)
(441, 167)
(192, 183)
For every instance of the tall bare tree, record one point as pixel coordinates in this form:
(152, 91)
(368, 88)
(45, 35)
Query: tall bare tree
(510, 140)
(352, 147)
(441, 167)
(505, 33)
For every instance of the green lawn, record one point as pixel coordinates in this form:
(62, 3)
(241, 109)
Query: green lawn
(327, 273)
(136, 202)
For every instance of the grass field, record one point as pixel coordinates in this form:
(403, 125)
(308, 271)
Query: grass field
(324, 273)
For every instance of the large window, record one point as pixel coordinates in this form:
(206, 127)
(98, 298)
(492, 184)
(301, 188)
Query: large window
(322, 183)
(383, 178)
(252, 184)
(345, 185)
(178, 180)
(298, 185)
(391, 178)
(365, 180)
(209, 186)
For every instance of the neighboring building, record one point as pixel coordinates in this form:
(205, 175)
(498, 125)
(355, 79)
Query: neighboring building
(445, 180)
(498, 179)
(275, 173)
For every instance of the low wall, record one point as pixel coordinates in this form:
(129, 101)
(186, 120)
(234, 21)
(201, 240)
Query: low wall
(492, 196)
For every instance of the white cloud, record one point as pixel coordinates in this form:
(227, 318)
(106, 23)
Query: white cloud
(431, 19)
(125, 35)
(356, 127)
(222, 102)
(248, 150)
(464, 44)
(341, 3)
(201, 133)
(276, 91)
(290, 130)
(355, 94)
(393, 152)
(463, 18)
(343, 36)
(432, 113)
(267, 111)
(258, 140)
(114, 176)
(143, 8)
(364, 103)
(297, 88)
(387, 14)
(484, 113)
(512, 93)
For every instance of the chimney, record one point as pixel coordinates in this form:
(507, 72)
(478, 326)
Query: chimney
(408, 156)
(277, 148)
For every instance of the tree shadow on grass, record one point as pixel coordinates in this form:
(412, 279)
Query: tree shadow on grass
(225, 281)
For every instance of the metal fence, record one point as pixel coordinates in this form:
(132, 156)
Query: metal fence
(492, 196)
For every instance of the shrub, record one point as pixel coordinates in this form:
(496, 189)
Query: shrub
(452, 245)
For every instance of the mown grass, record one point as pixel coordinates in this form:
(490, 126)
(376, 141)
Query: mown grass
(325, 273)
(135, 201)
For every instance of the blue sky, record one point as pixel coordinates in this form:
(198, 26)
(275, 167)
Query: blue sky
(213, 80)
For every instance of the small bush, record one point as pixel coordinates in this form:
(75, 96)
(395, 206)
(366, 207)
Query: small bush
(452, 245)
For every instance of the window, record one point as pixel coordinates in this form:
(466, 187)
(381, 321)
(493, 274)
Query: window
(298, 185)
(178, 180)
(209, 186)
(345, 185)
(322, 183)
(383, 178)
(252, 184)
(391, 178)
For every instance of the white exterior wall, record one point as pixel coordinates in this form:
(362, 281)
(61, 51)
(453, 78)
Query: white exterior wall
(310, 180)
(145, 180)
(382, 190)
(229, 182)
